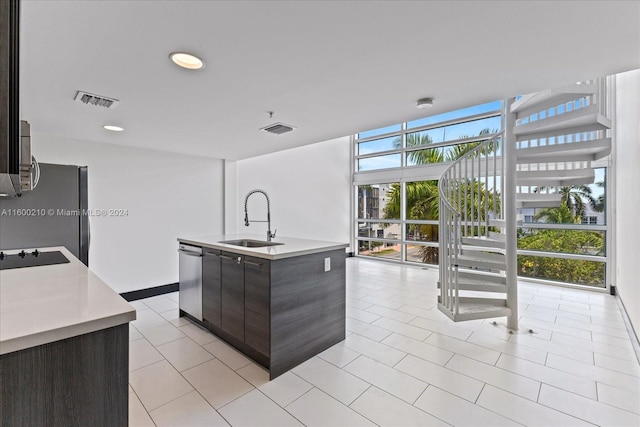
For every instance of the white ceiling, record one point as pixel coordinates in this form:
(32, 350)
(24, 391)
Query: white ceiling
(330, 68)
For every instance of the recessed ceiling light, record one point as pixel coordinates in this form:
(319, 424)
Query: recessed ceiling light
(113, 128)
(424, 103)
(187, 60)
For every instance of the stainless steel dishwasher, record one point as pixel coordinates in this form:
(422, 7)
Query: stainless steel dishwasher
(190, 275)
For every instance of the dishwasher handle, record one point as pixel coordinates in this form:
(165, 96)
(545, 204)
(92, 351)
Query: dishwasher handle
(190, 250)
(196, 254)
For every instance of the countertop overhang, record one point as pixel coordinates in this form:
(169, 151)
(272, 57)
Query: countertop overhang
(39, 305)
(291, 247)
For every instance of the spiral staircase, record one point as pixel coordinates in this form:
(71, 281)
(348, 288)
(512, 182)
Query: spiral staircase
(549, 140)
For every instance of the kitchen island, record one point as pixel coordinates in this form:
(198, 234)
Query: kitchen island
(279, 304)
(64, 346)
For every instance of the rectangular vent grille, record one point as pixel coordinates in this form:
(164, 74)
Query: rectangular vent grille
(97, 100)
(278, 128)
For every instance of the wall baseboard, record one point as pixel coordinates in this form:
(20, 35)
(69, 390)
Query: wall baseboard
(627, 321)
(149, 292)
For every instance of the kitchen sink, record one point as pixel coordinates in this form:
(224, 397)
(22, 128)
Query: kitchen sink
(248, 243)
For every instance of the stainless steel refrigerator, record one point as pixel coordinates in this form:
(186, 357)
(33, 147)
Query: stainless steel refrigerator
(53, 214)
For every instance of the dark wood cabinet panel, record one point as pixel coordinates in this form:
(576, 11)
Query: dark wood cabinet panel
(232, 294)
(211, 287)
(79, 381)
(278, 312)
(307, 308)
(256, 309)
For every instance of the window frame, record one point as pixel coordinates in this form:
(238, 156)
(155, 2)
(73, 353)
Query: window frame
(423, 172)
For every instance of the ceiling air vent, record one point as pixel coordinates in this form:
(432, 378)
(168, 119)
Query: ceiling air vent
(97, 100)
(278, 128)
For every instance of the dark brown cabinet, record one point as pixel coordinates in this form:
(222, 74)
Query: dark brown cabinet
(257, 281)
(211, 287)
(77, 381)
(235, 297)
(232, 294)
(278, 312)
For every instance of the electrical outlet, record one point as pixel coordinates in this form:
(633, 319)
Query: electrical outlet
(327, 264)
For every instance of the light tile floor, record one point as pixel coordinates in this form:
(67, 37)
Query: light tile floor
(403, 363)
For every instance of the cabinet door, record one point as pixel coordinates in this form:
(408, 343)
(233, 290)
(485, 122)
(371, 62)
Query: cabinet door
(232, 291)
(257, 296)
(211, 289)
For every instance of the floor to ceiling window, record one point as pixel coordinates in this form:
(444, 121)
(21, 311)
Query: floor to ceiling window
(396, 194)
(567, 243)
(396, 180)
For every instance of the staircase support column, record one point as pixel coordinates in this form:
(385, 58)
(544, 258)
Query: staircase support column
(509, 212)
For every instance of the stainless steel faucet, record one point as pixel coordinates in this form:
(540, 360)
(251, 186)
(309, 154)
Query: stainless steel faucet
(268, 221)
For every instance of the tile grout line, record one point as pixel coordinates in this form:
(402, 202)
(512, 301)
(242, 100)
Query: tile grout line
(396, 295)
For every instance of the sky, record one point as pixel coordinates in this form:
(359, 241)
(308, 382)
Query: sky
(440, 134)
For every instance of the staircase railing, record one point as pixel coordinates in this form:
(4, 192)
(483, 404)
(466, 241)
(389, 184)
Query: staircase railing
(469, 202)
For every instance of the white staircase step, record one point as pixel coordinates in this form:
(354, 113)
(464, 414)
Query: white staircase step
(485, 276)
(472, 280)
(583, 119)
(532, 204)
(555, 178)
(538, 197)
(482, 241)
(487, 254)
(540, 101)
(575, 151)
(561, 182)
(501, 223)
(483, 261)
(537, 200)
(561, 132)
(470, 308)
(479, 286)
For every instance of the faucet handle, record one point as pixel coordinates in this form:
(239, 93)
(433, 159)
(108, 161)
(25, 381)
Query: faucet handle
(273, 235)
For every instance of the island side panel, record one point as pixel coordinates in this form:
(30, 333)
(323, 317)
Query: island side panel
(256, 304)
(307, 308)
(80, 381)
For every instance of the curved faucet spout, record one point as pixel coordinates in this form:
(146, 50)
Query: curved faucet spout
(246, 214)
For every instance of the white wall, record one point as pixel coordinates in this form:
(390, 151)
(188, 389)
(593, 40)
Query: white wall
(167, 195)
(309, 188)
(627, 181)
(231, 204)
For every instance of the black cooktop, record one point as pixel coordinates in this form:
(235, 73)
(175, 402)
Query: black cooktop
(31, 259)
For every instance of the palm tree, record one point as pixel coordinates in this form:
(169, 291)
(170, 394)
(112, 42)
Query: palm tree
(460, 150)
(441, 154)
(558, 215)
(600, 201)
(576, 197)
(422, 196)
(424, 193)
(425, 156)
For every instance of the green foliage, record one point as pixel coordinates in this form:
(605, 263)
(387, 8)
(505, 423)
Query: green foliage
(369, 245)
(441, 154)
(477, 197)
(383, 253)
(422, 200)
(422, 196)
(559, 215)
(559, 269)
(429, 254)
(576, 198)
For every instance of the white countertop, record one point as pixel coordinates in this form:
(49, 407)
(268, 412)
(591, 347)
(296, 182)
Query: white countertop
(39, 305)
(291, 247)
